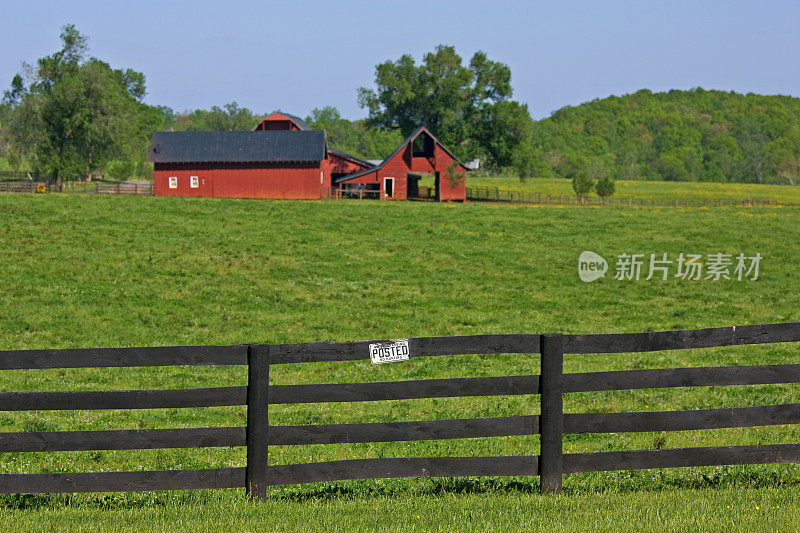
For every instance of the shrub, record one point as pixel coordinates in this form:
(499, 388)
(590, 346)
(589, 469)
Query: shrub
(605, 187)
(582, 184)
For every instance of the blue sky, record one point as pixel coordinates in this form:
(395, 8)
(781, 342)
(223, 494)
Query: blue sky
(299, 55)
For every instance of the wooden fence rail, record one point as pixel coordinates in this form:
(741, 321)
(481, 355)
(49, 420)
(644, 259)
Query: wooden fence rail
(496, 194)
(77, 187)
(551, 424)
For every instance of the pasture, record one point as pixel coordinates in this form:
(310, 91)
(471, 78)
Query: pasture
(652, 190)
(85, 271)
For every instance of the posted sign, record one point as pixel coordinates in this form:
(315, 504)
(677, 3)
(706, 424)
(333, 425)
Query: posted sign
(389, 351)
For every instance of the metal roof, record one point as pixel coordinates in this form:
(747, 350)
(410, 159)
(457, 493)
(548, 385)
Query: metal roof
(237, 146)
(364, 162)
(299, 122)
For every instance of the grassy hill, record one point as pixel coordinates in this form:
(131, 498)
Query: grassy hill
(142, 271)
(695, 135)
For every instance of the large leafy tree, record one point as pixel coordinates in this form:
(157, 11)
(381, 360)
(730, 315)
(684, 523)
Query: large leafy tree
(229, 117)
(467, 107)
(71, 114)
(5, 115)
(503, 133)
(357, 138)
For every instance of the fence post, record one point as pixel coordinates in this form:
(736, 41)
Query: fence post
(257, 420)
(552, 413)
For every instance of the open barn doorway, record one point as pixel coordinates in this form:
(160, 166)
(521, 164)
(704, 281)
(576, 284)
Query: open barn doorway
(422, 186)
(360, 191)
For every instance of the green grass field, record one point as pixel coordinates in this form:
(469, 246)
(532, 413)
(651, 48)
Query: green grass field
(90, 271)
(652, 190)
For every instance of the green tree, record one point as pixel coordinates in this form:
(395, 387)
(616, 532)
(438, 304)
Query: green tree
(582, 184)
(341, 133)
(458, 103)
(605, 187)
(357, 138)
(229, 117)
(503, 133)
(73, 115)
(5, 116)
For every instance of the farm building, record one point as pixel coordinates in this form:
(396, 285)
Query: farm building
(284, 158)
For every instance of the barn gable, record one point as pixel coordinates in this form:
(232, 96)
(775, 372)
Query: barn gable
(282, 121)
(395, 177)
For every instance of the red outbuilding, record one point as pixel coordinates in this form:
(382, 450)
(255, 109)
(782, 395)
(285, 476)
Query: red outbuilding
(397, 177)
(284, 158)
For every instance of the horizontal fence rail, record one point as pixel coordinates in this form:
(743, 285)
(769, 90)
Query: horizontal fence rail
(25, 183)
(257, 395)
(682, 340)
(135, 439)
(124, 357)
(496, 194)
(403, 467)
(315, 352)
(134, 399)
(681, 457)
(215, 478)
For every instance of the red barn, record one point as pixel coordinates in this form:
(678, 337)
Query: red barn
(282, 121)
(284, 158)
(396, 178)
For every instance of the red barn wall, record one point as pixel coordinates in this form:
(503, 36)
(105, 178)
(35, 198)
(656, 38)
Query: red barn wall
(397, 168)
(336, 164)
(446, 192)
(274, 125)
(277, 122)
(402, 163)
(297, 181)
(183, 173)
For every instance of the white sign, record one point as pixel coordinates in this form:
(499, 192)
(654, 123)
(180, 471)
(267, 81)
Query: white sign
(389, 351)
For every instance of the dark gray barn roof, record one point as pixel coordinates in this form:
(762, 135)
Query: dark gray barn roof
(350, 156)
(237, 146)
(297, 120)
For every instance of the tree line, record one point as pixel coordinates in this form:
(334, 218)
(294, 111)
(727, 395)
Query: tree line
(70, 114)
(694, 135)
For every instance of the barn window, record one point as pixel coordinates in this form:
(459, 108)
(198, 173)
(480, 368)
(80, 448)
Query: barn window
(194, 182)
(423, 145)
(173, 182)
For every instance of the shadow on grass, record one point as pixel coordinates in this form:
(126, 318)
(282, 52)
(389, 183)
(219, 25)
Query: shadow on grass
(708, 478)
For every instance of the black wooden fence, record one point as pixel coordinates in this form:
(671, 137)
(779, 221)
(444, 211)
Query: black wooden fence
(551, 424)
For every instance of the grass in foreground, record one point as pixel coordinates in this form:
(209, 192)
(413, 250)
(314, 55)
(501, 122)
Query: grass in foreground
(733, 509)
(142, 271)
